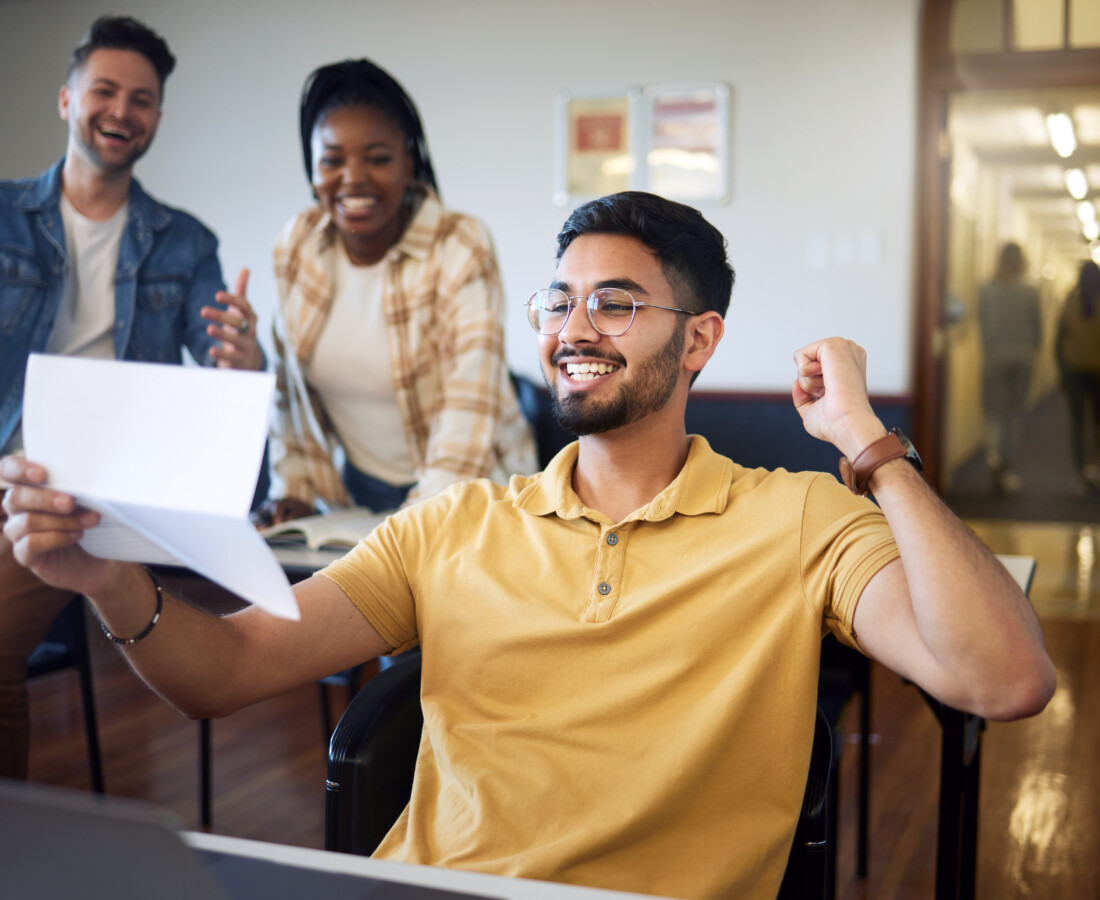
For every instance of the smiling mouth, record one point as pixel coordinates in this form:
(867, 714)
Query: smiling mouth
(116, 133)
(357, 205)
(589, 371)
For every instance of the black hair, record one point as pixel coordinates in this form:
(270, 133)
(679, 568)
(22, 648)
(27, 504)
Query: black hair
(691, 251)
(1010, 264)
(124, 33)
(1088, 287)
(359, 82)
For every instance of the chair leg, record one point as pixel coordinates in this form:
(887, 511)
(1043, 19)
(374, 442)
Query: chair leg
(91, 725)
(832, 820)
(864, 778)
(206, 817)
(91, 729)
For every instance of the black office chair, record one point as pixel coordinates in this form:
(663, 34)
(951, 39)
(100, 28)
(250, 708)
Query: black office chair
(66, 647)
(372, 757)
(534, 403)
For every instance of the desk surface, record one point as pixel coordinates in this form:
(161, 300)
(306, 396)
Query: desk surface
(404, 873)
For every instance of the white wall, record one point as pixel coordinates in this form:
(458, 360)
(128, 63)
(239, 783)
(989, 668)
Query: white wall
(820, 222)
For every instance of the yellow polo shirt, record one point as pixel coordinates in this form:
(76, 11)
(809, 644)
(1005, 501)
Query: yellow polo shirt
(623, 705)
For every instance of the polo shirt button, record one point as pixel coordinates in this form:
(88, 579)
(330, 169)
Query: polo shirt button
(604, 588)
(613, 539)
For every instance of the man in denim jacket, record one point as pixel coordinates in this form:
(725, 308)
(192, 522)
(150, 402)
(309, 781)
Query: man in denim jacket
(91, 265)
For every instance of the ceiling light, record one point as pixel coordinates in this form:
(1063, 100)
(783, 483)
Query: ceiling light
(1062, 138)
(1092, 231)
(1086, 212)
(1077, 184)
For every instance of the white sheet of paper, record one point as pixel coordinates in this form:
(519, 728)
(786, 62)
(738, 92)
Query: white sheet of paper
(169, 456)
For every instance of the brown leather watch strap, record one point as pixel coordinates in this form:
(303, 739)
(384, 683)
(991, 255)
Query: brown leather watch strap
(857, 472)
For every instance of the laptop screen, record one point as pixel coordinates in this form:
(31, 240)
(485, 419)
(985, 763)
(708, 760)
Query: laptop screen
(60, 843)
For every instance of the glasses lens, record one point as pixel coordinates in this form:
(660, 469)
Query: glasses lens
(547, 310)
(613, 311)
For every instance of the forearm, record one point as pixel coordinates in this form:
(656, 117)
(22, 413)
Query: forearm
(974, 621)
(949, 616)
(190, 658)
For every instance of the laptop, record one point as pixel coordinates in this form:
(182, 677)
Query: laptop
(56, 843)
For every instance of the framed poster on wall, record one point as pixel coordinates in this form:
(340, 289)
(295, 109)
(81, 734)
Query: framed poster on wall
(598, 143)
(686, 142)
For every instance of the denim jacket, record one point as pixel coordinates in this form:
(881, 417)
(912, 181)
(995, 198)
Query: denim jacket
(167, 271)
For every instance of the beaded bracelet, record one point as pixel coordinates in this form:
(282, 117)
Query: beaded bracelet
(152, 622)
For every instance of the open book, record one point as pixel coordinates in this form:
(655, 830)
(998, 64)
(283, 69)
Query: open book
(342, 528)
(168, 456)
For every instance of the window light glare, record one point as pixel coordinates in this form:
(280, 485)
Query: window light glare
(1062, 137)
(1077, 184)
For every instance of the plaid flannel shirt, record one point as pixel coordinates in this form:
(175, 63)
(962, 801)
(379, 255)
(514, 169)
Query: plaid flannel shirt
(443, 307)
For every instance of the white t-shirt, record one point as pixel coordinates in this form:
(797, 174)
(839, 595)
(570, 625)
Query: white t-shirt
(85, 320)
(350, 370)
(86, 316)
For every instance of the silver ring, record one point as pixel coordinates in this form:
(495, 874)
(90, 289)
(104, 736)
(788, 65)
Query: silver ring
(244, 327)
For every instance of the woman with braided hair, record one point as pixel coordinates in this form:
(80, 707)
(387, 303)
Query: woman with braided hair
(392, 379)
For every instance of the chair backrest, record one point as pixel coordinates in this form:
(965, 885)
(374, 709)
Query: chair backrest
(534, 402)
(372, 756)
(806, 875)
(66, 645)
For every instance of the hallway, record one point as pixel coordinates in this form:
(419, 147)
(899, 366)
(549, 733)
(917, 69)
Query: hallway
(1050, 491)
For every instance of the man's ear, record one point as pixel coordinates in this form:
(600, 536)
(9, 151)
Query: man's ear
(64, 96)
(704, 333)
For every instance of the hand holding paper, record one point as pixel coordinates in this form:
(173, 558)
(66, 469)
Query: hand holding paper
(168, 455)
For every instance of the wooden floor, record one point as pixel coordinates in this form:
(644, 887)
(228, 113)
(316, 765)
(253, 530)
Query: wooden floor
(1040, 795)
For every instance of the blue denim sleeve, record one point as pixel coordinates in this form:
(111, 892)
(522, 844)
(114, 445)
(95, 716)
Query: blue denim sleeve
(206, 281)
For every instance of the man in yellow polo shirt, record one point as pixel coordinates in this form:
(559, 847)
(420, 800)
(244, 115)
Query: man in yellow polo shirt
(620, 653)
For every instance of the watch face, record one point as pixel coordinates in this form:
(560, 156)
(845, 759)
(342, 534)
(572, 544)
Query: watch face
(910, 451)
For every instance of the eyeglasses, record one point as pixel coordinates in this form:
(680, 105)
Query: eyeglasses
(610, 310)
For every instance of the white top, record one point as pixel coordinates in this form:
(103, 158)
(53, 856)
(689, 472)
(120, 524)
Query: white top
(350, 370)
(85, 319)
(86, 316)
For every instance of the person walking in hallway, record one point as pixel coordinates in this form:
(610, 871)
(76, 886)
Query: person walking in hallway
(1008, 314)
(1078, 351)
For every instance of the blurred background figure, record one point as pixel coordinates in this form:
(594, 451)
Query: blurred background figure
(1078, 353)
(1009, 316)
(392, 379)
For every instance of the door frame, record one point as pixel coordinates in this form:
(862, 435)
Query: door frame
(942, 74)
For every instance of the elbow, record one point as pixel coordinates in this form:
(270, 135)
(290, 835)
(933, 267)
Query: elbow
(1026, 694)
(197, 708)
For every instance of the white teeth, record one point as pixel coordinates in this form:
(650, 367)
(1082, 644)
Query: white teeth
(588, 371)
(357, 204)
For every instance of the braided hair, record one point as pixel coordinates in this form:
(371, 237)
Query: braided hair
(359, 82)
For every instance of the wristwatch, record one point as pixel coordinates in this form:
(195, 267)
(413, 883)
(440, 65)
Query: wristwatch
(895, 445)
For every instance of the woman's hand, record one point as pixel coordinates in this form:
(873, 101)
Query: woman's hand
(236, 327)
(45, 527)
(274, 512)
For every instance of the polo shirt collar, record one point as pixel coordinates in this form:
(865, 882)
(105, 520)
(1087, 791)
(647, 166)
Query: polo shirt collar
(702, 486)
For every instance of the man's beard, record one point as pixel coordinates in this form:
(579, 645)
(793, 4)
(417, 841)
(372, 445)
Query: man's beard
(85, 138)
(652, 385)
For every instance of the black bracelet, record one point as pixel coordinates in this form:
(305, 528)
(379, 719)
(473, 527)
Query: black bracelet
(152, 622)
